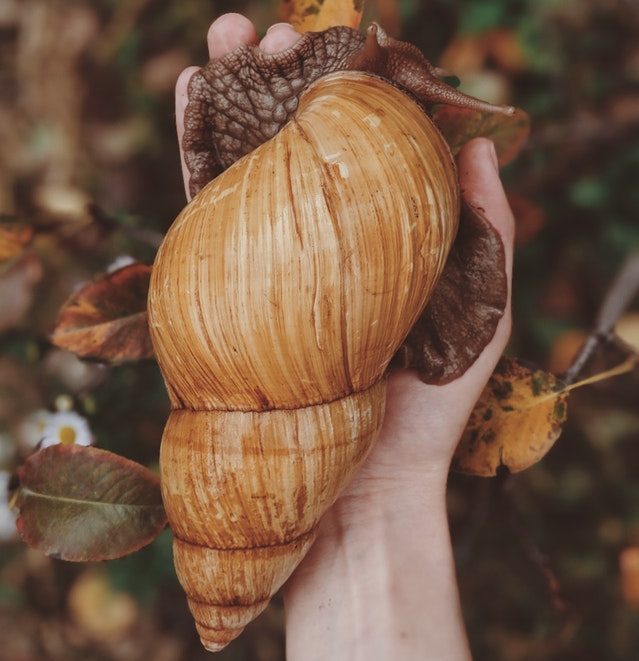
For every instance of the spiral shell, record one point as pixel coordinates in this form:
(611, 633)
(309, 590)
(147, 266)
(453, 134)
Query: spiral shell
(277, 300)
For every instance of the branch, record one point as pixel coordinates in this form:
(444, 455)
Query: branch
(619, 296)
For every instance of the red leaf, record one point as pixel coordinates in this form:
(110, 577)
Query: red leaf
(460, 125)
(106, 319)
(80, 503)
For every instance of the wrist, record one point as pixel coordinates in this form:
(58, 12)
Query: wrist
(378, 583)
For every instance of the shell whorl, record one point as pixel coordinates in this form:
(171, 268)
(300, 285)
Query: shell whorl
(277, 300)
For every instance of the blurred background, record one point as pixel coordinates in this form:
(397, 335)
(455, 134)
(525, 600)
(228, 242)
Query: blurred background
(548, 560)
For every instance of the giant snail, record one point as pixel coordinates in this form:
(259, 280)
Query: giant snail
(325, 206)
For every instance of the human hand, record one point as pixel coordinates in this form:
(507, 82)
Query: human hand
(423, 423)
(395, 504)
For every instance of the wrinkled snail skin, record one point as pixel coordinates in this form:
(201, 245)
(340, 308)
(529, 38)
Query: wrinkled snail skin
(277, 300)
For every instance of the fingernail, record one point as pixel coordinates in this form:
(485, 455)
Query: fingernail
(278, 25)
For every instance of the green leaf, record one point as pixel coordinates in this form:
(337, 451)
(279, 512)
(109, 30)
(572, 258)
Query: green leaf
(460, 125)
(80, 503)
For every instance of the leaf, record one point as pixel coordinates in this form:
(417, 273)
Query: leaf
(14, 237)
(460, 125)
(466, 306)
(317, 15)
(80, 503)
(106, 319)
(517, 419)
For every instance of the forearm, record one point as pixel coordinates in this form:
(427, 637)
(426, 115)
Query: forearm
(379, 584)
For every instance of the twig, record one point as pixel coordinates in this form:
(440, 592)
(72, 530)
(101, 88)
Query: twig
(619, 296)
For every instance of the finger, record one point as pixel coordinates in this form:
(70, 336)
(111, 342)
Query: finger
(228, 32)
(449, 405)
(481, 187)
(181, 99)
(279, 37)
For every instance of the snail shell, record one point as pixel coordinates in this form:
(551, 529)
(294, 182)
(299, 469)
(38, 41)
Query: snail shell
(277, 300)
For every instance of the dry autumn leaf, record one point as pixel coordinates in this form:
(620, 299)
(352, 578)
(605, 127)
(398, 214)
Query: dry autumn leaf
(316, 15)
(14, 237)
(80, 503)
(518, 418)
(460, 125)
(516, 421)
(106, 319)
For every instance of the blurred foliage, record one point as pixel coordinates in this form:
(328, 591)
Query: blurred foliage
(547, 559)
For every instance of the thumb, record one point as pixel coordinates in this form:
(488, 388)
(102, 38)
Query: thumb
(481, 187)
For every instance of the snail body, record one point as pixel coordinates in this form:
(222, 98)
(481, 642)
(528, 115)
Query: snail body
(277, 300)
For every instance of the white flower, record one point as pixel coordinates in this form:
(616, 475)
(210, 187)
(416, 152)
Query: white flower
(30, 430)
(68, 428)
(7, 515)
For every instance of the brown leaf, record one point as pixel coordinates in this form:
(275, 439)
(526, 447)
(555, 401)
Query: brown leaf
(468, 302)
(517, 419)
(80, 503)
(460, 125)
(316, 15)
(14, 237)
(106, 319)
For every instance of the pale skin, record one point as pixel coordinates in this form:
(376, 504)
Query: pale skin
(380, 583)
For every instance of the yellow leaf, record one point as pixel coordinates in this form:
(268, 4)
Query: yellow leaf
(627, 328)
(518, 418)
(316, 15)
(515, 422)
